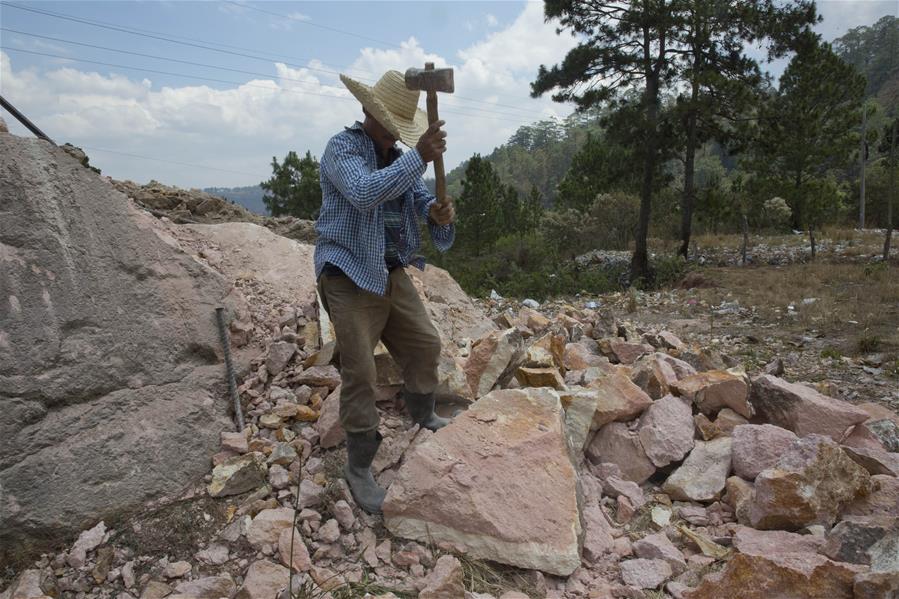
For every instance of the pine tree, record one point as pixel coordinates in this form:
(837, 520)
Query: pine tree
(722, 76)
(295, 187)
(478, 207)
(623, 45)
(808, 128)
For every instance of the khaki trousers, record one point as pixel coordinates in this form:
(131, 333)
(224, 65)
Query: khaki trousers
(360, 320)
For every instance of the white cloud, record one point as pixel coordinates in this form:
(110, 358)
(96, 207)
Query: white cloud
(242, 127)
(491, 20)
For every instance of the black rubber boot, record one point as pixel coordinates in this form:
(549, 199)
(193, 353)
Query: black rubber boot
(421, 408)
(361, 449)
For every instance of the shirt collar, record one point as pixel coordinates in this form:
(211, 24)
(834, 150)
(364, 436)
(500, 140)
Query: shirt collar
(395, 151)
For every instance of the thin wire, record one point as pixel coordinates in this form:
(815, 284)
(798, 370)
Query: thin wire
(205, 65)
(166, 37)
(319, 25)
(212, 168)
(283, 16)
(215, 80)
(159, 37)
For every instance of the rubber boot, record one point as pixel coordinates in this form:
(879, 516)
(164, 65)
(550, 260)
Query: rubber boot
(421, 408)
(361, 449)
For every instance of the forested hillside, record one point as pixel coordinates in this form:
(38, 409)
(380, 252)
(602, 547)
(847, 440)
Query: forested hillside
(537, 155)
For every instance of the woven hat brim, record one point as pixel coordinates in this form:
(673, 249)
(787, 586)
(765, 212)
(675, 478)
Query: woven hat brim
(407, 131)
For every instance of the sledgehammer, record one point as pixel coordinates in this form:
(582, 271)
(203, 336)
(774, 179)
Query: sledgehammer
(433, 80)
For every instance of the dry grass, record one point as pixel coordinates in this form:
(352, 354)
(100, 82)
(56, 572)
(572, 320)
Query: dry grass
(855, 302)
(495, 579)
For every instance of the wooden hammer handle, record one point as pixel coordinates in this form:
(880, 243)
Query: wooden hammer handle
(439, 174)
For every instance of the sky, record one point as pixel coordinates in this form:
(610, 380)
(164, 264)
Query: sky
(202, 94)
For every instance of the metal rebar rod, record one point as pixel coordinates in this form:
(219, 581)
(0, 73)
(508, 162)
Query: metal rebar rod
(229, 368)
(24, 120)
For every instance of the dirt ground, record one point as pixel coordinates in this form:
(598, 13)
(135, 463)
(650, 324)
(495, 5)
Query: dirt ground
(834, 321)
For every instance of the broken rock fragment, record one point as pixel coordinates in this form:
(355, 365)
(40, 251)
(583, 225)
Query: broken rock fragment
(623, 352)
(540, 377)
(645, 573)
(850, 540)
(616, 444)
(474, 483)
(279, 354)
(758, 447)
(874, 461)
(238, 474)
(618, 399)
(331, 434)
(666, 430)
(492, 360)
(446, 581)
(715, 389)
(703, 474)
(805, 575)
(263, 580)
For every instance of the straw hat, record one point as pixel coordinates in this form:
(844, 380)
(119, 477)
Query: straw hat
(393, 105)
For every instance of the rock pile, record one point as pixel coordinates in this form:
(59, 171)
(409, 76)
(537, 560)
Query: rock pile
(632, 469)
(599, 458)
(186, 206)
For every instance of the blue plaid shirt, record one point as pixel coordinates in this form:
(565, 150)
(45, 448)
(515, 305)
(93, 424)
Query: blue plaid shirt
(351, 224)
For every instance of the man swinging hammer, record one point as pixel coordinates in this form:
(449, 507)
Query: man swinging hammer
(368, 233)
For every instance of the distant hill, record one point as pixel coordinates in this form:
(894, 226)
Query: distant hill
(248, 197)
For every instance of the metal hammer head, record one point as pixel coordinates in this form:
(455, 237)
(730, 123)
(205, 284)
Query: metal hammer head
(430, 79)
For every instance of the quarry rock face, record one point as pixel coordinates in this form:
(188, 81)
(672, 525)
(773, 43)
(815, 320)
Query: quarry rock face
(108, 349)
(475, 483)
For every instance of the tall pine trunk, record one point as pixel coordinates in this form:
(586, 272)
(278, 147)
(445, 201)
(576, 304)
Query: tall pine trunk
(891, 197)
(640, 260)
(686, 225)
(811, 238)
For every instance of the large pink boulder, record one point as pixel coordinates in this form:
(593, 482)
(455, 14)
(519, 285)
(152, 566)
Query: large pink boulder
(499, 481)
(758, 447)
(810, 484)
(616, 444)
(666, 430)
(803, 410)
